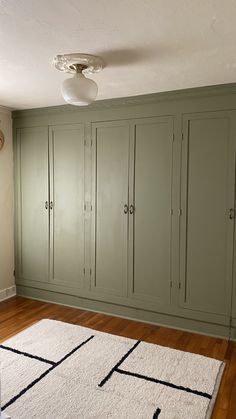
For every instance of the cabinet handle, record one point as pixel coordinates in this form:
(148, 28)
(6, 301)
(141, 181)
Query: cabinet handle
(46, 205)
(126, 209)
(232, 213)
(131, 209)
(51, 205)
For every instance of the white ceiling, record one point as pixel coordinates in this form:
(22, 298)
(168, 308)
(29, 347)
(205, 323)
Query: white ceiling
(148, 45)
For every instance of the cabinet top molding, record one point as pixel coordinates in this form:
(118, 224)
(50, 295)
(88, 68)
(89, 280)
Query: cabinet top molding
(222, 89)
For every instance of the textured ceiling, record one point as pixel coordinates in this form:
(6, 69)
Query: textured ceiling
(148, 46)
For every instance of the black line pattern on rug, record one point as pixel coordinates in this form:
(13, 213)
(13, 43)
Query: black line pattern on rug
(118, 364)
(164, 383)
(16, 351)
(144, 377)
(56, 364)
(157, 413)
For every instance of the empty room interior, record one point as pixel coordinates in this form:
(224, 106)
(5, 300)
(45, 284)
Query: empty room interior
(118, 207)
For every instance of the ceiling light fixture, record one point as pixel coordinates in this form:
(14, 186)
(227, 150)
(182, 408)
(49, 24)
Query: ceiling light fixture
(79, 90)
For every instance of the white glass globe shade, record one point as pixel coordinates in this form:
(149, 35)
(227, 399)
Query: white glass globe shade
(78, 90)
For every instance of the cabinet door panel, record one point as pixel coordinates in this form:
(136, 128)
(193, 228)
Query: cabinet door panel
(67, 194)
(33, 217)
(206, 230)
(151, 237)
(110, 159)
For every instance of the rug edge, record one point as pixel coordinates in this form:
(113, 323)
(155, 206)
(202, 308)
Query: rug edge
(215, 391)
(106, 333)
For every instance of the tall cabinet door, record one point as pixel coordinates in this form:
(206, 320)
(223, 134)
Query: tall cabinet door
(150, 219)
(207, 195)
(67, 204)
(32, 253)
(110, 221)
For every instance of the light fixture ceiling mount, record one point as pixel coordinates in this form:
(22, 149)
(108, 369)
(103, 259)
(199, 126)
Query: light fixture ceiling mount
(68, 62)
(79, 90)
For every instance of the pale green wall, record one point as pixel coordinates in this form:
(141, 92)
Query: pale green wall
(6, 206)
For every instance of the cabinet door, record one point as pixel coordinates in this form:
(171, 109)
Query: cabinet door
(32, 194)
(207, 194)
(67, 197)
(110, 224)
(150, 263)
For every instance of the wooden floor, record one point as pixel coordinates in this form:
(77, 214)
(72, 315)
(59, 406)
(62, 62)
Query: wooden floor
(18, 313)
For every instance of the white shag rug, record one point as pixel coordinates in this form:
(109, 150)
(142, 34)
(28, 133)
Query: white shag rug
(57, 370)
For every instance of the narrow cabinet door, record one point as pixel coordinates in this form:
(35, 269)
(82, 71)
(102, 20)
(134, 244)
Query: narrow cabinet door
(67, 204)
(110, 221)
(150, 219)
(207, 195)
(32, 204)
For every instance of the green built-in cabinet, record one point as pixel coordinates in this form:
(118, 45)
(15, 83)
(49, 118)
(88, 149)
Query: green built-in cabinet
(66, 204)
(207, 201)
(130, 208)
(50, 177)
(109, 245)
(151, 195)
(131, 223)
(32, 194)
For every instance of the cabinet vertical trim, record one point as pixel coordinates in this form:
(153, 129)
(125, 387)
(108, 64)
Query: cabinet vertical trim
(95, 210)
(186, 219)
(232, 287)
(171, 208)
(134, 201)
(94, 206)
(51, 198)
(20, 206)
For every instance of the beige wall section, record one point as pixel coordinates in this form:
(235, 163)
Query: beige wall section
(6, 207)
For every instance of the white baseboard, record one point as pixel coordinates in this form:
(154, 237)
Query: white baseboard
(7, 293)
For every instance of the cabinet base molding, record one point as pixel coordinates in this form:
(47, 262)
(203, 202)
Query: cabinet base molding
(233, 330)
(159, 319)
(233, 334)
(7, 293)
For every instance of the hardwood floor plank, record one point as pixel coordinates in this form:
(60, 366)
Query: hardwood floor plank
(18, 313)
